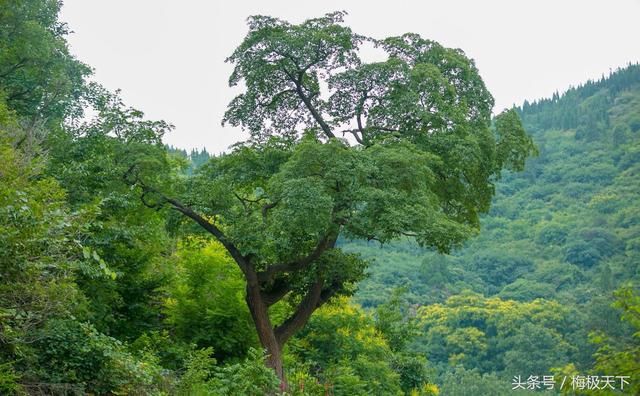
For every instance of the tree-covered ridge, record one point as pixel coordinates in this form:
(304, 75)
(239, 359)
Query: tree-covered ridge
(570, 214)
(584, 108)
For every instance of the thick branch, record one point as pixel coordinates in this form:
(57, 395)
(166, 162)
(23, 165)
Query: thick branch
(314, 299)
(213, 230)
(132, 178)
(279, 289)
(314, 112)
(327, 242)
(302, 313)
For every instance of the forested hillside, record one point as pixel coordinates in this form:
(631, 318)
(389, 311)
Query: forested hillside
(130, 267)
(560, 238)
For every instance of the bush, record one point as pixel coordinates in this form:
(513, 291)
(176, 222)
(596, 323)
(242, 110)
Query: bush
(9, 380)
(76, 353)
(250, 378)
(206, 304)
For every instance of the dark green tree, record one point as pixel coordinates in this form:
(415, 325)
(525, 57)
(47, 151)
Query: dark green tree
(422, 164)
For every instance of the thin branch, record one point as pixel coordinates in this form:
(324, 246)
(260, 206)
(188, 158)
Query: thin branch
(276, 97)
(213, 230)
(242, 201)
(354, 132)
(386, 129)
(409, 234)
(15, 67)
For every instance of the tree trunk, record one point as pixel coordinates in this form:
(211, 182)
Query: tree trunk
(273, 339)
(266, 334)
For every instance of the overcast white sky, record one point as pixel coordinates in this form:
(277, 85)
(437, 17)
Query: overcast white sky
(168, 56)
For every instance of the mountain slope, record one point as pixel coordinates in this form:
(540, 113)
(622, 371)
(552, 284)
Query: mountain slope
(566, 227)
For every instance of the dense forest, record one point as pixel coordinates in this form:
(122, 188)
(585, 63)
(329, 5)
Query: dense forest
(304, 264)
(551, 281)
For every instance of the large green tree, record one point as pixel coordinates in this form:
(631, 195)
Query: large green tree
(421, 161)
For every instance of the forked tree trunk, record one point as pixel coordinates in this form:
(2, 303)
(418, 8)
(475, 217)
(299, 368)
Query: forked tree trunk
(273, 339)
(266, 333)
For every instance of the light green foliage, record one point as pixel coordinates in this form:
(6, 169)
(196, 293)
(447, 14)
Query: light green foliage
(248, 377)
(552, 229)
(90, 161)
(491, 334)
(621, 354)
(206, 303)
(71, 352)
(40, 250)
(344, 349)
(463, 382)
(425, 164)
(301, 381)
(171, 353)
(394, 321)
(56, 196)
(9, 380)
(397, 323)
(198, 369)
(87, 266)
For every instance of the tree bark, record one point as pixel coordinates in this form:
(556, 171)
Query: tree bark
(266, 334)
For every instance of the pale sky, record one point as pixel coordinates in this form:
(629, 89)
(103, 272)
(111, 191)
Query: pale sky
(168, 56)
